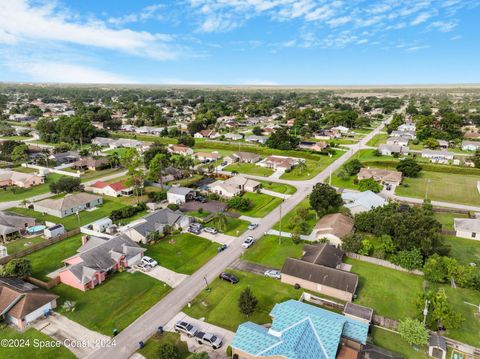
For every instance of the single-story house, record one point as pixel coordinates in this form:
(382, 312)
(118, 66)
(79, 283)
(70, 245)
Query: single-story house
(90, 163)
(300, 330)
(256, 139)
(358, 202)
(180, 150)
(139, 230)
(130, 143)
(233, 136)
(115, 189)
(313, 146)
(224, 189)
(19, 179)
(407, 127)
(381, 175)
(234, 186)
(341, 129)
(179, 195)
(98, 257)
(401, 141)
(327, 134)
(103, 141)
(207, 156)
(334, 227)
(470, 145)
(409, 134)
(68, 205)
(101, 225)
(467, 228)
(438, 156)
(65, 157)
(281, 163)
(21, 302)
(243, 157)
(54, 231)
(207, 134)
(389, 150)
(12, 224)
(443, 144)
(318, 271)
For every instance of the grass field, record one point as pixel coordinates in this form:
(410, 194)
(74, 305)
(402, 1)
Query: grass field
(278, 187)
(219, 306)
(182, 253)
(20, 244)
(262, 204)
(71, 222)
(148, 138)
(269, 252)
(7, 195)
(393, 342)
(464, 250)
(378, 139)
(249, 168)
(50, 258)
(235, 226)
(446, 218)
(288, 220)
(115, 303)
(152, 346)
(29, 351)
(92, 175)
(313, 168)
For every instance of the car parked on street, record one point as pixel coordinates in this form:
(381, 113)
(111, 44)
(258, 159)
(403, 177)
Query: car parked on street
(186, 328)
(222, 248)
(273, 273)
(210, 230)
(228, 277)
(209, 339)
(252, 226)
(149, 261)
(248, 242)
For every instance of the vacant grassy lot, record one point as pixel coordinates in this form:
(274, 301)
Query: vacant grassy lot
(115, 303)
(71, 222)
(271, 252)
(393, 342)
(289, 221)
(278, 187)
(446, 219)
(464, 250)
(219, 306)
(30, 351)
(51, 258)
(249, 168)
(378, 139)
(235, 227)
(20, 244)
(147, 138)
(7, 194)
(313, 167)
(152, 346)
(262, 204)
(92, 175)
(182, 253)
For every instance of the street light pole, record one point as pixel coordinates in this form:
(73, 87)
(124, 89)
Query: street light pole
(206, 282)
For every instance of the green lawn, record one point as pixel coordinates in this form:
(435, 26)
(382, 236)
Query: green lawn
(464, 250)
(278, 187)
(235, 226)
(446, 187)
(115, 303)
(197, 214)
(313, 167)
(71, 222)
(92, 175)
(7, 195)
(262, 204)
(29, 351)
(393, 342)
(446, 219)
(14, 138)
(50, 258)
(249, 168)
(219, 306)
(271, 252)
(378, 139)
(182, 253)
(289, 221)
(152, 346)
(390, 292)
(148, 138)
(20, 244)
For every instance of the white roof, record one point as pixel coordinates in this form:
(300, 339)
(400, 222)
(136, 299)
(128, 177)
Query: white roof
(466, 224)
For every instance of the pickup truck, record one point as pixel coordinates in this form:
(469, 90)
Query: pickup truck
(208, 339)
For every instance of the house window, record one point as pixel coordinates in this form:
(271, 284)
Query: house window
(474, 234)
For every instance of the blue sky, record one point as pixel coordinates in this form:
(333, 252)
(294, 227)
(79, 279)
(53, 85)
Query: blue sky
(265, 42)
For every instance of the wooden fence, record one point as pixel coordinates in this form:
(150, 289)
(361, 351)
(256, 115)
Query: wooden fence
(382, 262)
(45, 285)
(38, 246)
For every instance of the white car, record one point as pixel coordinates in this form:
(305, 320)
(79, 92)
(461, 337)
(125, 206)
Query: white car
(272, 273)
(252, 226)
(149, 261)
(210, 230)
(248, 242)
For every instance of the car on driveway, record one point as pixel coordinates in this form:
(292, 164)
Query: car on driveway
(273, 273)
(252, 226)
(200, 199)
(143, 267)
(248, 242)
(195, 229)
(209, 339)
(228, 277)
(186, 328)
(210, 230)
(149, 261)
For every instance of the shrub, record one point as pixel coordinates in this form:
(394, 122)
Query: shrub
(173, 206)
(240, 203)
(127, 212)
(66, 184)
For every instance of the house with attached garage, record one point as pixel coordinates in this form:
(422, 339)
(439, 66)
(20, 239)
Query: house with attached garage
(90, 163)
(257, 139)
(410, 134)
(207, 134)
(234, 186)
(180, 150)
(333, 227)
(438, 156)
(115, 189)
(358, 202)
(470, 145)
(407, 127)
(313, 146)
(301, 331)
(389, 150)
(280, 163)
(467, 228)
(380, 175)
(207, 156)
(401, 141)
(233, 136)
(21, 302)
(68, 205)
(242, 157)
(179, 195)
(19, 179)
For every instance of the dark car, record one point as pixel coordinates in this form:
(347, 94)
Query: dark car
(222, 248)
(228, 277)
(194, 230)
(200, 199)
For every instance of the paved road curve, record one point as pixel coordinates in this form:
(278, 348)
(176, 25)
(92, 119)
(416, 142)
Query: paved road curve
(163, 311)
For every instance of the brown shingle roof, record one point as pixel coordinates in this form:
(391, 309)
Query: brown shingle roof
(323, 254)
(337, 224)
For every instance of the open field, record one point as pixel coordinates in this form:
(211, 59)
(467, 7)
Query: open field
(313, 167)
(289, 221)
(378, 139)
(271, 252)
(262, 204)
(182, 253)
(278, 187)
(249, 168)
(92, 175)
(7, 195)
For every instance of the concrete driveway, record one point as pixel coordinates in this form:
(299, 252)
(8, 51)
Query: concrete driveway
(219, 237)
(173, 279)
(72, 334)
(193, 346)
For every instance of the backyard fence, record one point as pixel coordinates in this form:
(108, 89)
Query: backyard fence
(382, 262)
(38, 246)
(384, 322)
(45, 285)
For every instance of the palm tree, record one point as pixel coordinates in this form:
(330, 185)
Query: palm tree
(222, 221)
(95, 149)
(301, 166)
(114, 160)
(25, 203)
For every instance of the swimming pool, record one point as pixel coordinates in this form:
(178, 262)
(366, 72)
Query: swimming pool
(36, 229)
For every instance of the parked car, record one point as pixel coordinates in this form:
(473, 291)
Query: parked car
(208, 339)
(224, 163)
(186, 328)
(143, 267)
(273, 273)
(228, 277)
(210, 230)
(196, 225)
(252, 226)
(200, 199)
(222, 248)
(388, 187)
(194, 230)
(248, 242)
(149, 261)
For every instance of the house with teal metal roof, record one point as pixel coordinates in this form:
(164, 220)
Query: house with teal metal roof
(300, 331)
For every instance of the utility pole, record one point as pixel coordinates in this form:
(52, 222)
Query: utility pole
(206, 282)
(425, 312)
(280, 232)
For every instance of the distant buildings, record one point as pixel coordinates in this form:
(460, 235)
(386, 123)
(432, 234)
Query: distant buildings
(243, 157)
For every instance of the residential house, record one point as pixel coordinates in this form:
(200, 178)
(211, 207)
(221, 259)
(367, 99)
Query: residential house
(19, 179)
(101, 225)
(90, 163)
(443, 144)
(380, 175)
(21, 303)
(328, 134)
(410, 134)
(224, 189)
(179, 195)
(233, 136)
(14, 224)
(436, 156)
(180, 150)
(467, 228)
(98, 257)
(243, 157)
(149, 130)
(400, 140)
(333, 227)
(389, 150)
(313, 146)
(139, 230)
(301, 331)
(129, 143)
(68, 205)
(319, 270)
(65, 157)
(407, 127)
(470, 145)
(207, 156)
(256, 139)
(358, 202)
(234, 186)
(341, 129)
(207, 134)
(279, 163)
(115, 189)
(103, 141)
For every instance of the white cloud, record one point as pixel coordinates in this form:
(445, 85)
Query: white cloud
(146, 13)
(421, 18)
(416, 48)
(443, 26)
